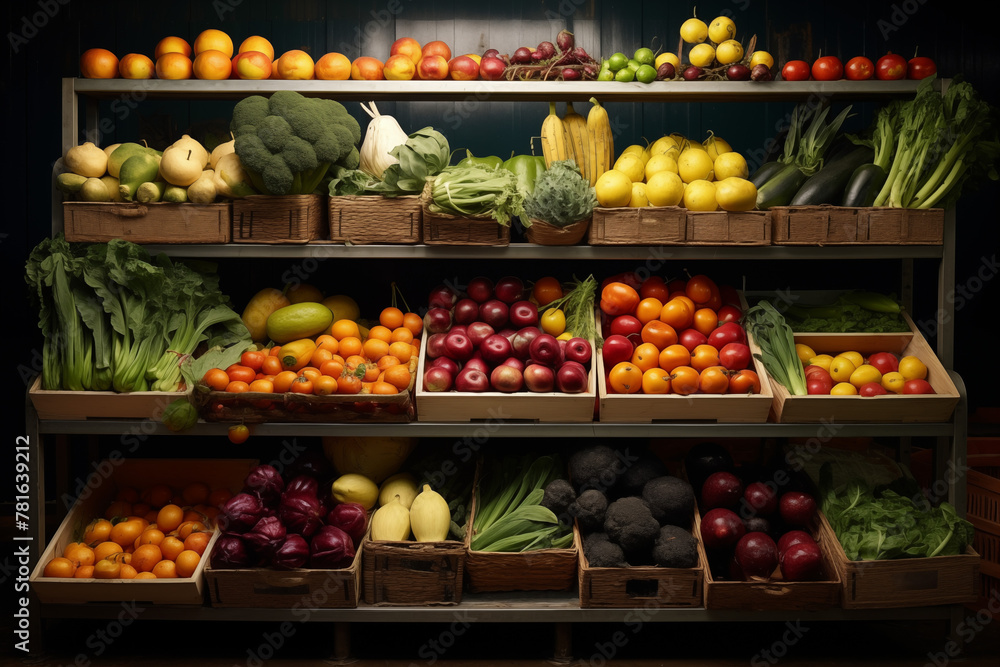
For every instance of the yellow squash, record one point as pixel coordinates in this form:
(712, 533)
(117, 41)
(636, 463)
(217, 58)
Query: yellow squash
(391, 522)
(430, 516)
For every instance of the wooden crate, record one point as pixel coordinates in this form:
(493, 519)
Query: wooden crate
(65, 404)
(887, 408)
(728, 228)
(280, 219)
(817, 225)
(110, 475)
(445, 229)
(643, 586)
(301, 588)
(906, 582)
(902, 226)
(159, 222)
(983, 503)
(373, 219)
(777, 593)
(717, 408)
(647, 225)
(495, 406)
(413, 573)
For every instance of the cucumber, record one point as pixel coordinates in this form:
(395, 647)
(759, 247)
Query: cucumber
(864, 185)
(780, 188)
(765, 172)
(827, 185)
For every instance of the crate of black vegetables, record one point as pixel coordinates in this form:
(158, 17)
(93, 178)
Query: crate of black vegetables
(761, 535)
(634, 531)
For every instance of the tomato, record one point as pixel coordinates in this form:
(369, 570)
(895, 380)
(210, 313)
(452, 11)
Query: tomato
(238, 433)
(713, 380)
(699, 289)
(625, 378)
(616, 349)
(656, 381)
(795, 70)
(890, 67)
(241, 373)
(859, 68)
(735, 356)
(626, 325)
(684, 380)
(828, 68)
(630, 278)
(729, 313)
(546, 290)
(648, 309)
(617, 298)
(673, 356)
(706, 320)
(817, 383)
(920, 68)
(704, 356)
(918, 386)
(744, 382)
(655, 287)
(253, 359)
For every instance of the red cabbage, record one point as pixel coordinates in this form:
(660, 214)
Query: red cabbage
(264, 481)
(265, 538)
(301, 513)
(303, 484)
(293, 553)
(331, 548)
(240, 513)
(350, 518)
(229, 552)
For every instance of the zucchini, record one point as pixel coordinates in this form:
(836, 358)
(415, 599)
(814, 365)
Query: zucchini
(864, 185)
(765, 172)
(827, 185)
(780, 188)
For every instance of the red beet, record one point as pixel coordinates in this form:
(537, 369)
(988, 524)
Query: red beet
(721, 528)
(802, 562)
(757, 555)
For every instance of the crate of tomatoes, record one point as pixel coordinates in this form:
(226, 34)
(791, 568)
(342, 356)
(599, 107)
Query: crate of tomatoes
(675, 351)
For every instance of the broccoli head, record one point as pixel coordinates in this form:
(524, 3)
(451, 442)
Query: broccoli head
(602, 553)
(629, 524)
(675, 547)
(671, 500)
(287, 142)
(589, 509)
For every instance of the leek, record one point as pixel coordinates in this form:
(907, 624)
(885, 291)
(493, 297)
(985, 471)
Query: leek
(777, 345)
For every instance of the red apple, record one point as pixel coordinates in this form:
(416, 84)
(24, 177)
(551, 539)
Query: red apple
(523, 314)
(578, 350)
(448, 364)
(459, 328)
(514, 362)
(492, 68)
(571, 378)
(616, 349)
(478, 364)
(539, 378)
(437, 320)
(435, 345)
(466, 311)
(521, 341)
(437, 378)
(819, 384)
(494, 312)
(459, 346)
(472, 379)
(509, 289)
(478, 332)
(762, 498)
(796, 508)
(802, 561)
(480, 289)
(544, 349)
(506, 379)
(495, 349)
(442, 296)
(885, 362)
(793, 537)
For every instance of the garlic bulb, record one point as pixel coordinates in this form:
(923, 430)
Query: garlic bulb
(383, 134)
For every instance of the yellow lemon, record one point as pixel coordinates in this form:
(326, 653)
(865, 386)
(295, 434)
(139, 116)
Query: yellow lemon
(638, 196)
(841, 368)
(736, 194)
(664, 145)
(664, 188)
(702, 55)
(729, 52)
(613, 188)
(632, 165)
(716, 146)
(721, 28)
(761, 58)
(694, 31)
(634, 149)
(864, 374)
(667, 58)
(553, 321)
(730, 164)
(844, 389)
(893, 382)
(694, 165)
(912, 368)
(856, 358)
(804, 352)
(821, 360)
(699, 195)
(658, 163)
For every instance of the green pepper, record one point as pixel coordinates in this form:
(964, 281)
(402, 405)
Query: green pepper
(526, 168)
(488, 161)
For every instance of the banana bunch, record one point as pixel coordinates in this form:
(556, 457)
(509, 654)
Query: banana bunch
(587, 141)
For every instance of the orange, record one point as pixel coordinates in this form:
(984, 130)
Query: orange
(398, 376)
(283, 381)
(656, 381)
(333, 67)
(257, 43)
(197, 542)
(84, 572)
(414, 323)
(187, 562)
(380, 332)
(646, 356)
(212, 39)
(367, 68)
(146, 557)
(350, 346)
(105, 549)
(97, 531)
(384, 388)
(342, 329)
(401, 335)
(99, 64)
(212, 64)
(165, 569)
(402, 351)
(391, 317)
(295, 64)
(375, 348)
(174, 66)
(625, 378)
(136, 66)
(170, 547)
(172, 45)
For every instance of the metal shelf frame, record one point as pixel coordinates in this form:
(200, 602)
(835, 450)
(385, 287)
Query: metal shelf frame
(560, 609)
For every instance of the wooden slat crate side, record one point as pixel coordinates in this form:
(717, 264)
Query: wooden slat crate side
(159, 222)
(817, 225)
(903, 226)
(660, 225)
(728, 228)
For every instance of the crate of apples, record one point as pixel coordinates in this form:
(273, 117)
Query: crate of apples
(486, 354)
(677, 341)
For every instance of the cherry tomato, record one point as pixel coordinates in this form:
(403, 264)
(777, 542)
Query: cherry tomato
(795, 70)
(859, 68)
(828, 68)
(920, 68)
(890, 67)
(238, 433)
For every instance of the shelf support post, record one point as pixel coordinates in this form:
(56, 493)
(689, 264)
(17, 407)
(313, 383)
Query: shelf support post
(562, 651)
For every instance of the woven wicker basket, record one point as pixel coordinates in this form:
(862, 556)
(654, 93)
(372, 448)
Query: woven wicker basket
(445, 229)
(284, 219)
(413, 573)
(544, 233)
(373, 219)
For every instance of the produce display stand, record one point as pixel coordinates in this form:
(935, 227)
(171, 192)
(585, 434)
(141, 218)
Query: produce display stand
(562, 607)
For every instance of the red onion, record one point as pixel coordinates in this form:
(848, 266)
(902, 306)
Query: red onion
(350, 518)
(264, 481)
(331, 548)
(240, 513)
(229, 552)
(293, 553)
(265, 538)
(301, 513)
